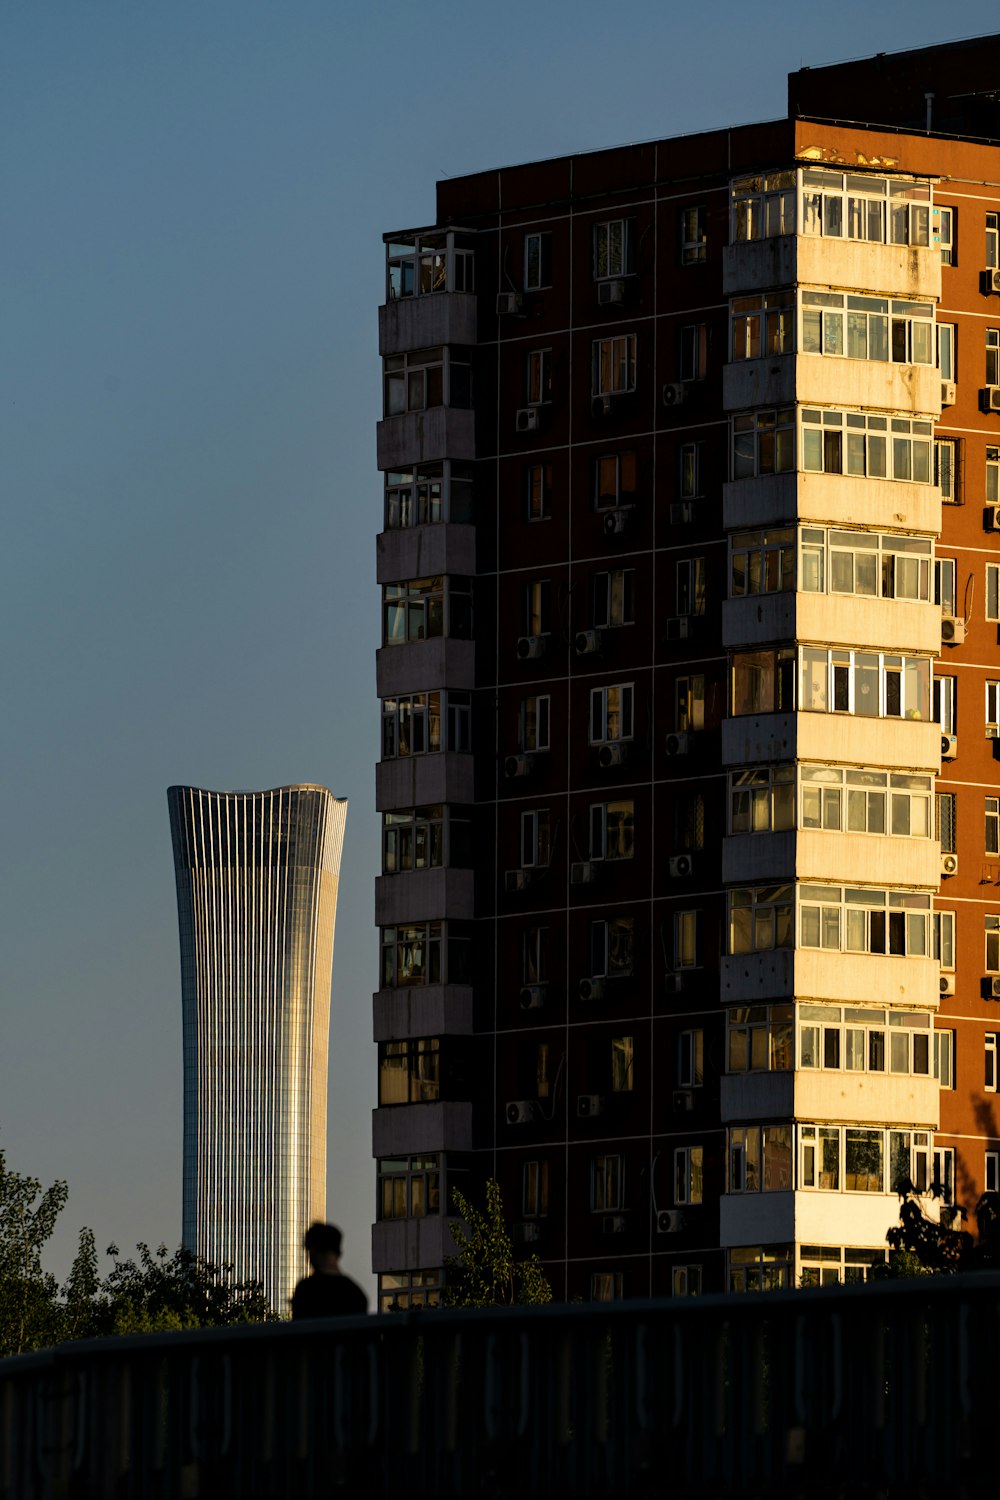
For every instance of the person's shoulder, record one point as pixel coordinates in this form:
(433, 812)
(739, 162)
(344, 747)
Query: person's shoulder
(352, 1296)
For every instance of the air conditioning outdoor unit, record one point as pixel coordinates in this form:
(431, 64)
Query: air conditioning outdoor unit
(673, 395)
(587, 642)
(947, 983)
(521, 1111)
(683, 1101)
(994, 983)
(531, 647)
(527, 1232)
(673, 983)
(952, 630)
(993, 517)
(610, 293)
(991, 280)
(533, 996)
(582, 872)
(989, 398)
(680, 865)
(679, 628)
(614, 1224)
(616, 522)
(591, 989)
(669, 1221)
(949, 746)
(508, 303)
(681, 513)
(588, 1106)
(949, 393)
(614, 754)
(518, 765)
(528, 419)
(678, 744)
(949, 864)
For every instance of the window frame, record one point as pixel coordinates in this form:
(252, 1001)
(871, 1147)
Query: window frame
(542, 239)
(613, 365)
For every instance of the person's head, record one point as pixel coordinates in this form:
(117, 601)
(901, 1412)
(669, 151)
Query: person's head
(323, 1244)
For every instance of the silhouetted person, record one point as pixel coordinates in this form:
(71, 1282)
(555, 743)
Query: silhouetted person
(327, 1293)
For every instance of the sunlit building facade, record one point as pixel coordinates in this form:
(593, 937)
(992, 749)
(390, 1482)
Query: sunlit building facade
(257, 876)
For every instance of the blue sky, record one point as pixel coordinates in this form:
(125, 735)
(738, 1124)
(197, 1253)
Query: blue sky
(191, 262)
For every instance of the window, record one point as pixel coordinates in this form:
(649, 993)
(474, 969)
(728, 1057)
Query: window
(763, 562)
(947, 362)
(614, 598)
(945, 701)
(605, 1184)
(611, 713)
(693, 352)
(409, 1072)
(993, 476)
(538, 489)
(622, 1056)
(759, 1039)
(864, 444)
(868, 683)
(685, 1281)
(428, 494)
(763, 681)
(425, 378)
(535, 1189)
(409, 1186)
(688, 1174)
(538, 607)
(860, 920)
(690, 598)
(991, 924)
(423, 608)
(694, 236)
(425, 953)
(819, 1157)
(992, 710)
(459, 721)
(614, 365)
(858, 207)
(863, 562)
(763, 206)
(762, 800)
(760, 1158)
(412, 725)
(764, 443)
(428, 263)
(612, 830)
(760, 918)
(607, 1286)
(689, 822)
(944, 584)
(761, 1268)
(946, 469)
(687, 940)
(536, 845)
(992, 241)
(993, 591)
(991, 1172)
(763, 325)
(538, 377)
(537, 261)
(425, 838)
(993, 825)
(874, 328)
(613, 248)
(534, 947)
(611, 944)
(944, 818)
(691, 470)
(944, 1058)
(614, 480)
(944, 938)
(858, 1039)
(398, 1291)
(944, 1172)
(993, 356)
(689, 714)
(945, 218)
(691, 1059)
(533, 726)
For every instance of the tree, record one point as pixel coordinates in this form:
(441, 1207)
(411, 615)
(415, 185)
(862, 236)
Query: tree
(164, 1292)
(484, 1273)
(30, 1314)
(936, 1247)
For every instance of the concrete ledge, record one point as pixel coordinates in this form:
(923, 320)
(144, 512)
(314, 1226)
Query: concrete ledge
(421, 666)
(822, 855)
(832, 619)
(413, 780)
(818, 974)
(422, 1010)
(426, 436)
(420, 551)
(412, 1129)
(834, 499)
(424, 896)
(912, 1103)
(840, 739)
(831, 380)
(422, 322)
(411, 1244)
(908, 271)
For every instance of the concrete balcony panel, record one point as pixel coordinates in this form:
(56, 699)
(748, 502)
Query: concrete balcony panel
(913, 1103)
(911, 271)
(425, 437)
(423, 322)
(421, 551)
(818, 974)
(422, 666)
(809, 1218)
(413, 1129)
(832, 619)
(422, 1010)
(842, 739)
(841, 858)
(837, 499)
(411, 1244)
(414, 780)
(424, 896)
(827, 380)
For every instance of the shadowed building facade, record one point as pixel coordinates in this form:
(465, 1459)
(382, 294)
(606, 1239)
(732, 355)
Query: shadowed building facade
(257, 876)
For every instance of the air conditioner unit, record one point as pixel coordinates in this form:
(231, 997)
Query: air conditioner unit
(683, 1101)
(532, 996)
(991, 280)
(669, 1221)
(949, 393)
(518, 765)
(588, 1106)
(521, 1111)
(989, 398)
(952, 630)
(531, 647)
(949, 864)
(673, 983)
(528, 419)
(680, 865)
(601, 406)
(614, 1224)
(582, 872)
(949, 746)
(527, 1232)
(610, 293)
(591, 989)
(508, 303)
(993, 517)
(678, 628)
(994, 984)
(947, 984)
(673, 395)
(678, 744)
(614, 754)
(587, 642)
(681, 513)
(616, 522)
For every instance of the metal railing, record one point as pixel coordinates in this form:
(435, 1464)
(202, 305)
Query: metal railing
(861, 1391)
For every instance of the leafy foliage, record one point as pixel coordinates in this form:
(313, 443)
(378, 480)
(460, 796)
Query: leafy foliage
(29, 1314)
(484, 1273)
(920, 1246)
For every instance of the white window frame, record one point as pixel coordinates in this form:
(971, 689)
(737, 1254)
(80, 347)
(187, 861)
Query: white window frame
(536, 839)
(944, 1058)
(993, 592)
(993, 356)
(992, 826)
(614, 360)
(993, 241)
(943, 946)
(990, 1062)
(538, 377)
(608, 704)
(692, 359)
(946, 234)
(946, 341)
(535, 1189)
(946, 469)
(599, 828)
(607, 1183)
(687, 939)
(689, 1175)
(991, 1172)
(993, 476)
(693, 235)
(540, 739)
(991, 934)
(691, 1059)
(613, 260)
(691, 458)
(685, 1281)
(945, 703)
(542, 256)
(691, 589)
(614, 598)
(945, 583)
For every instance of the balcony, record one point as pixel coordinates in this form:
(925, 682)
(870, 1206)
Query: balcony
(420, 551)
(411, 1244)
(426, 437)
(414, 1129)
(836, 619)
(423, 322)
(911, 271)
(827, 856)
(826, 380)
(422, 1010)
(837, 499)
(909, 1101)
(424, 896)
(422, 666)
(898, 744)
(414, 780)
(809, 1218)
(819, 974)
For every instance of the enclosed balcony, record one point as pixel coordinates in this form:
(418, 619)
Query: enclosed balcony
(840, 499)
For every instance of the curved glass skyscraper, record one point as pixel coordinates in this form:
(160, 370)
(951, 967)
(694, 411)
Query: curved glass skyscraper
(257, 876)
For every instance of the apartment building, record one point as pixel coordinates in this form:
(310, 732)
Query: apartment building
(690, 689)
